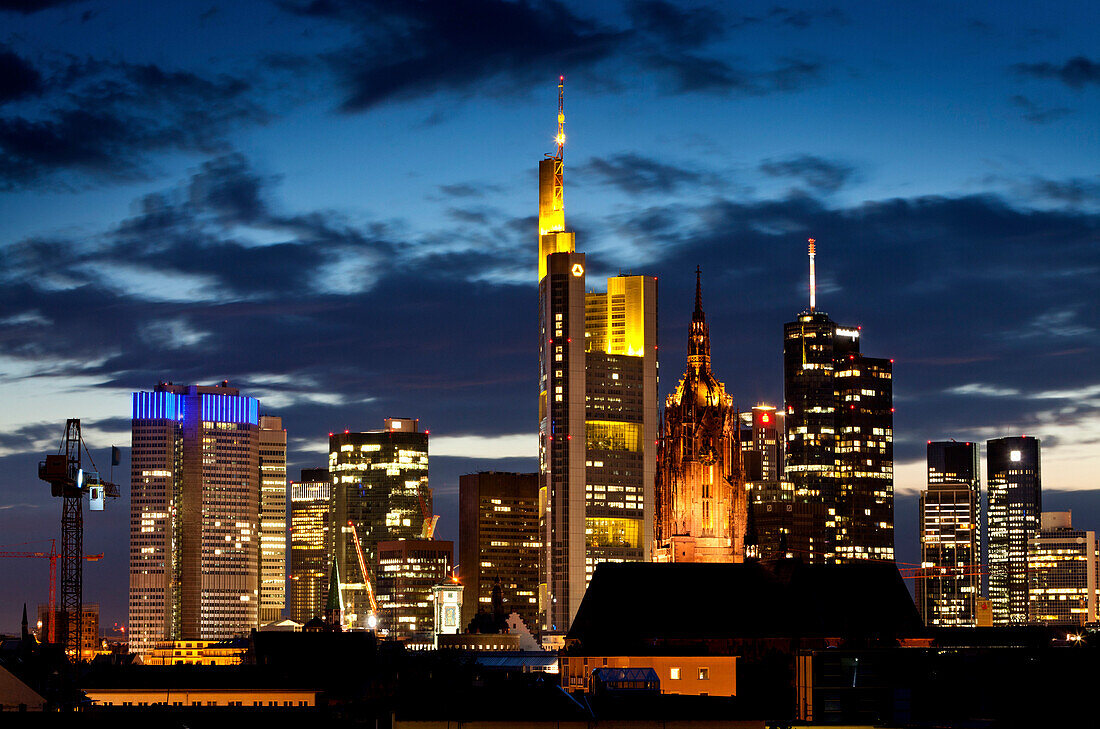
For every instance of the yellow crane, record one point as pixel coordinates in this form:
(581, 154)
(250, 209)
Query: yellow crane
(372, 619)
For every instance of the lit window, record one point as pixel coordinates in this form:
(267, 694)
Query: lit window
(704, 674)
(674, 673)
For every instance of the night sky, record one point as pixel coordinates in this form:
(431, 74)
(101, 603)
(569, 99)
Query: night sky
(332, 204)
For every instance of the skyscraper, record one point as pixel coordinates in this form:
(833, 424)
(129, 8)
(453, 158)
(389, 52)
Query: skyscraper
(272, 519)
(701, 509)
(194, 514)
(1014, 488)
(498, 528)
(407, 571)
(309, 544)
(948, 581)
(1062, 572)
(597, 409)
(380, 493)
(839, 430)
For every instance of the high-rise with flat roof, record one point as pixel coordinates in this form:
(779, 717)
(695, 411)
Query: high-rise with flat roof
(272, 519)
(597, 410)
(194, 515)
(498, 515)
(310, 545)
(949, 578)
(1062, 572)
(839, 434)
(379, 493)
(407, 572)
(1015, 493)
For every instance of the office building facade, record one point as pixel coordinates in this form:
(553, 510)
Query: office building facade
(194, 515)
(499, 542)
(310, 544)
(949, 578)
(408, 571)
(839, 435)
(379, 493)
(701, 505)
(1015, 494)
(1062, 572)
(272, 519)
(597, 410)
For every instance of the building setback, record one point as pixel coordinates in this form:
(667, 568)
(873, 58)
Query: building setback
(1062, 572)
(272, 519)
(499, 542)
(597, 410)
(839, 435)
(1014, 487)
(701, 505)
(380, 493)
(407, 572)
(194, 515)
(310, 544)
(950, 513)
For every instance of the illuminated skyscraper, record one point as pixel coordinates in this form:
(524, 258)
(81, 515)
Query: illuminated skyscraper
(407, 572)
(949, 579)
(194, 515)
(1015, 493)
(1062, 572)
(272, 519)
(380, 493)
(499, 542)
(597, 409)
(309, 544)
(839, 429)
(701, 510)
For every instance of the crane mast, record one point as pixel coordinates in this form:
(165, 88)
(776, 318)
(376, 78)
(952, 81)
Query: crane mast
(363, 569)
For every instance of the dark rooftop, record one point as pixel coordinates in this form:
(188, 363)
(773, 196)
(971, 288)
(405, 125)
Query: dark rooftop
(641, 605)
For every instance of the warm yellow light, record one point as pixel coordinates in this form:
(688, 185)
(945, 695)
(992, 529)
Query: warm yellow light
(561, 139)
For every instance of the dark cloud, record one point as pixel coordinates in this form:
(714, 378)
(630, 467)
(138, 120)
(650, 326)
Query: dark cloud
(1036, 114)
(637, 174)
(18, 79)
(815, 172)
(688, 73)
(1076, 73)
(1074, 191)
(675, 24)
(103, 120)
(411, 49)
(27, 7)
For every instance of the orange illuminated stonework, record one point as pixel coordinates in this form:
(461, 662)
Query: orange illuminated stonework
(701, 506)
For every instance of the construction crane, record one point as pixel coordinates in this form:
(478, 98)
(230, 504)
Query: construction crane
(69, 482)
(372, 619)
(427, 531)
(52, 555)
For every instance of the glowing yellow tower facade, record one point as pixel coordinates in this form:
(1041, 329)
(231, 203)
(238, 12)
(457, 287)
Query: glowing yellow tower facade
(597, 410)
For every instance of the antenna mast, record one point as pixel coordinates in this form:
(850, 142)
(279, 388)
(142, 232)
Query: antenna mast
(813, 275)
(561, 117)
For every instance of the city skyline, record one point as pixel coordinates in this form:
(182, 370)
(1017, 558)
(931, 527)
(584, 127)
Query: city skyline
(249, 251)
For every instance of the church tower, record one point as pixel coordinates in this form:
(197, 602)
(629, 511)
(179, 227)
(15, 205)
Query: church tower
(701, 512)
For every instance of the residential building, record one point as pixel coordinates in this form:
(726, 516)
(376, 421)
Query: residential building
(839, 434)
(1015, 493)
(272, 519)
(379, 494)
(194, 515)
(498, 544)
(90, 642)
(949, 578)
(1062, 572)
(597, 410)
(701, 505)
(310, 544)
(408, 570)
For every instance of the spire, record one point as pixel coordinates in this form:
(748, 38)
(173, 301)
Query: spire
(561, 118)
(334, 606)
(698, 333)
(26, 631)
(813, 275)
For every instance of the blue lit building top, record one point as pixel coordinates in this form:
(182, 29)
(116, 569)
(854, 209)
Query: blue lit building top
(163, 405)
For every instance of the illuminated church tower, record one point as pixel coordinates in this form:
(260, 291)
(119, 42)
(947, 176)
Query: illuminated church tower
(701, 505)
(597, 409)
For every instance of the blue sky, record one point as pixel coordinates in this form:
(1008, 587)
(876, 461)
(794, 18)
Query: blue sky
(330, 203)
